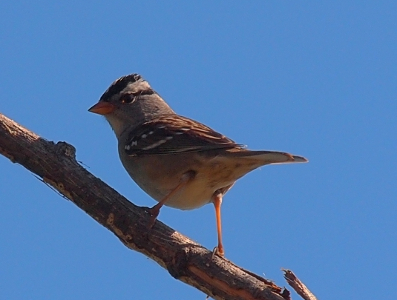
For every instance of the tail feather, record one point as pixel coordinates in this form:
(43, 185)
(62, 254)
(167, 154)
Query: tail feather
(300, 159)
(275, 157)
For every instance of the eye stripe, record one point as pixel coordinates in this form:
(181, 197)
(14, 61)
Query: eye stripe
(119, 85)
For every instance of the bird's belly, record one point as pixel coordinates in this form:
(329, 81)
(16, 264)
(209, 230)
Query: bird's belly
(197, 192)
(194, 195)
(158, 182)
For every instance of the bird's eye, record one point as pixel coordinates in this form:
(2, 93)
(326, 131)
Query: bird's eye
(127, 98)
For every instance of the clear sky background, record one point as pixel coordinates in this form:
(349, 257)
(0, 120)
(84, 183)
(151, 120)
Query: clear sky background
(317, 78)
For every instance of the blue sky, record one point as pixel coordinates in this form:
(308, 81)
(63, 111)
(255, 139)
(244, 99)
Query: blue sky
(315, 78)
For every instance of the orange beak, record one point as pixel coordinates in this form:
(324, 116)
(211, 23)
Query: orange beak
(102, 108)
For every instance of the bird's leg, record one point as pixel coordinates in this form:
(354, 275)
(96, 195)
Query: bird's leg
(155, 210)
(217, 200)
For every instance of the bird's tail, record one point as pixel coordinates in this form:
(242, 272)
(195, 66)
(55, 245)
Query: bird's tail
(273, 157)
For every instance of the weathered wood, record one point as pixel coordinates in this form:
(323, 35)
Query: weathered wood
(298, 285)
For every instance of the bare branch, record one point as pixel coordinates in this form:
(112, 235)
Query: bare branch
(298, 285)
(184, 259)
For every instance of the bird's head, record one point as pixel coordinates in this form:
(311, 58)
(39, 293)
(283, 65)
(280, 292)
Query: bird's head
(128, 102)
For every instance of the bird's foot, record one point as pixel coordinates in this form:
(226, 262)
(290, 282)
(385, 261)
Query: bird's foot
(218, 250)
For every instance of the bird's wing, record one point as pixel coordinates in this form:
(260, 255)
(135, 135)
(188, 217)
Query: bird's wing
(175, 134)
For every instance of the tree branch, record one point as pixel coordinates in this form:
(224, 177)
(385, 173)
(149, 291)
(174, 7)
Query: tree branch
(298, 285)
(183, 258)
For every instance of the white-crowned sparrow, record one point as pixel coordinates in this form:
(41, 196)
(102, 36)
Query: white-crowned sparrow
(178, 161)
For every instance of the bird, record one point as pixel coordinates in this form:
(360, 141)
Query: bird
(179, 162)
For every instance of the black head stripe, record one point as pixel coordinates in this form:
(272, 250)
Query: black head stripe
(119, 85)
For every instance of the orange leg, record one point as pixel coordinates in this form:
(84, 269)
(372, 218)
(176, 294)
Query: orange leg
(217, 200)
(155, 210)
